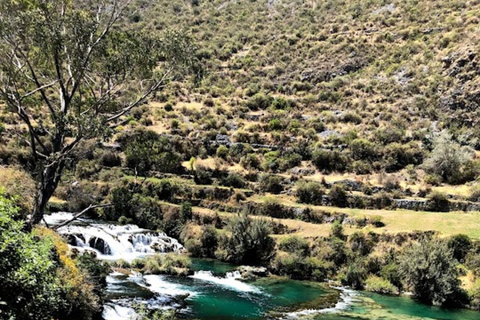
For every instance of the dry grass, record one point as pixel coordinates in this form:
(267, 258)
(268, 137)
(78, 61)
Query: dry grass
(17, 182)
(447, 223)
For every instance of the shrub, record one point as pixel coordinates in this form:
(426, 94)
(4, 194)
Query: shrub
(429, 269)
(329, 161)
(186, 211)
(363, 150)
(448, 159)
(475, 194)
(310, 192)
(475, 295)
(271, 207)
(295, 244)
(337, 230)
(376, 221)
(145, 150)
(380, 285)
(250, 161)
(222, 152)
(271, 183)
(202, 175)
(167, 263)
(354, 275)
(249, 241)
(338, 254)
(110, 159)
(299, 267)
(360, 244)
(39, 277)
(258, 101)
(209, 241)
(438, 201)
(234, 180)
(338, 196)
(460, 245)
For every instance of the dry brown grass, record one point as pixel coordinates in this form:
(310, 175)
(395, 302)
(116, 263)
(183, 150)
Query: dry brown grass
(17, 182)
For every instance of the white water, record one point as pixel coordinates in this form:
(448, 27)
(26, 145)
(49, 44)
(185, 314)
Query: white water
(347, 298)
(159, 284)
(57, 218)
(119, 242)
(118, 312)
(230, 281)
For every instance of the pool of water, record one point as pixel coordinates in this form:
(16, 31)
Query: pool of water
(216, 292)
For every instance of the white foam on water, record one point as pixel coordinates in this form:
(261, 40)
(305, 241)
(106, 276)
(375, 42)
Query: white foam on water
(57, 218)
(118, 312)
(231, 281)
(347, 298)
(159, 284)
(119, 242)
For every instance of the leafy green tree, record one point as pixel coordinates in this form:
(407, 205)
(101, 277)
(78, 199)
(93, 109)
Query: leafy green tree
(249, 241)
(70, 72)
(429, 269)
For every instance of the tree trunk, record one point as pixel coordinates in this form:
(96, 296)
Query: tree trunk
(49, 179)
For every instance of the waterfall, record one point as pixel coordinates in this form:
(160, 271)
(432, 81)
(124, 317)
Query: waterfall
(119, 242)
(231, 281)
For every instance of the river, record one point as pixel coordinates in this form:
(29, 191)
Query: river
(216, 291)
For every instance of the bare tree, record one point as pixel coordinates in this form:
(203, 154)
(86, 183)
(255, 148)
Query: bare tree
(70, 70)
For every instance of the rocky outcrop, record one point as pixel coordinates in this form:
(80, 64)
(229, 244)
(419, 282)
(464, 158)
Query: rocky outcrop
(249, 272)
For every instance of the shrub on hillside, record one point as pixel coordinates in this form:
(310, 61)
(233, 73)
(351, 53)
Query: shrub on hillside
(310, 192)
(271, 183)
(338, 196)
(438, 201)
(295, 244)
(449, 160)
(249, 241)
(329, 161)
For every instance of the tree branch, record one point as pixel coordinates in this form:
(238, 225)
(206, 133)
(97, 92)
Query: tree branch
(81, 213)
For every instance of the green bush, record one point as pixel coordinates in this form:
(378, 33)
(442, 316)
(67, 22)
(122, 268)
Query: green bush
(330, 161)
(271, 183)
(438, 201)
(249, 241)
(475, 295)
(448, 159)
(380, 285)
(234, 180)
(299, 267)
(209, 241)
(355, 275)
(310, 192)
(39, 278)
(338, 196)
(460, 245)
(295, 244)
(222, 152)
(167, 263)
(430, 271)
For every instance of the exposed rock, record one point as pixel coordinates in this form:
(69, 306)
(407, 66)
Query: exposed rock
(249, 272)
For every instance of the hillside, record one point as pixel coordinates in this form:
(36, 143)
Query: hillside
(339, 134)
